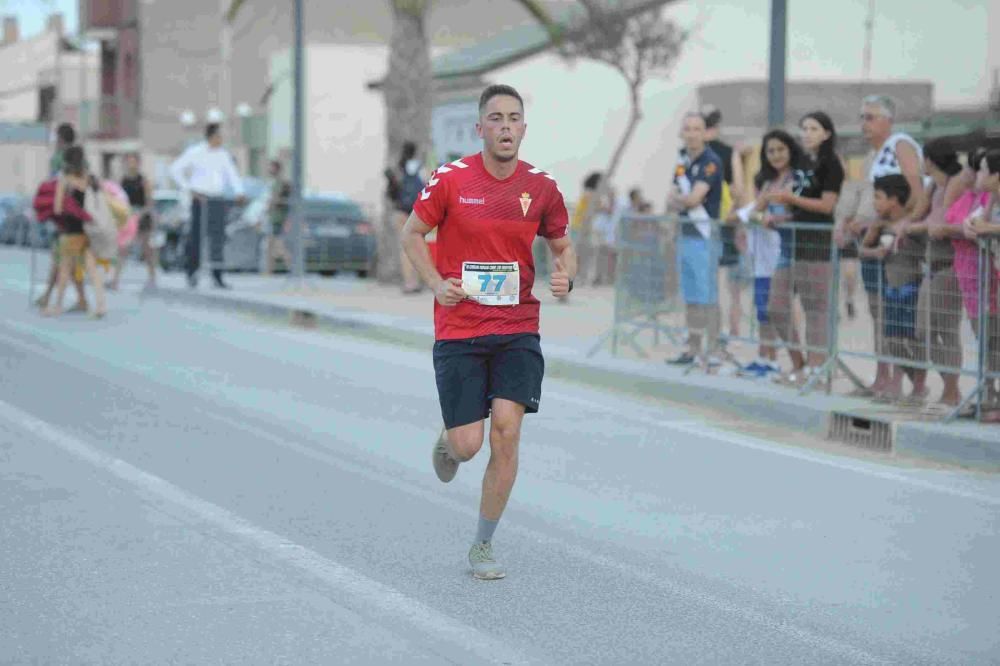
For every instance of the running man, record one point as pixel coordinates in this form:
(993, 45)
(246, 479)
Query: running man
(488, 208)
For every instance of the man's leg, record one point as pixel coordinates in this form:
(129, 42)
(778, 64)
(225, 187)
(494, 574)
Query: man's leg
(696, 324)
(498, 481)
(215, 215)
(505, 434)
(194, 242)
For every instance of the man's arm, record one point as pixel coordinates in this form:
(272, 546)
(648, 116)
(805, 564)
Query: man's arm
(736, 187)
(447, 292)
(565, 265)
(909, 164)
(178, 169)
(233, 176)
(696, 197)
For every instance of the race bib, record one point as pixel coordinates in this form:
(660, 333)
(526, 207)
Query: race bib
(494, 283)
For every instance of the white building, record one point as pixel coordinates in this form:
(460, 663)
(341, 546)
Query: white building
(46, 80)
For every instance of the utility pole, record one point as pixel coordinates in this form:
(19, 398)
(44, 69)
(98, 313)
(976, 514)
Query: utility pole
(776, 80)
(298, 250)
(866, 65)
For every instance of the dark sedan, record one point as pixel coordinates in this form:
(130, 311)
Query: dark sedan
(338, 236)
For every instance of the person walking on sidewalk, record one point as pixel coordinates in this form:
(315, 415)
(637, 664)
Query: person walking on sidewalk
(78, 198)
(404, 183)
(208, 172)
(65, 138)
(488, 208)
(140, 197)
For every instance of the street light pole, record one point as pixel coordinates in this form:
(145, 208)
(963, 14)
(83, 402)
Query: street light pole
(776, 81)
(298, 258)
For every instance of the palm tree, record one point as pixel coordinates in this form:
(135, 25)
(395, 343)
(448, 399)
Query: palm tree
(408, 90)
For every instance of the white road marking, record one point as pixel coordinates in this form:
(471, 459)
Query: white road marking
(349, 584)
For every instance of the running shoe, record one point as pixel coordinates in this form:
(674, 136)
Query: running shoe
(484, 567)
(444, 465)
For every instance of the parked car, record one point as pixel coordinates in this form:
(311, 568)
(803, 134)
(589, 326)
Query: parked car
(338, 236)
(18, 225)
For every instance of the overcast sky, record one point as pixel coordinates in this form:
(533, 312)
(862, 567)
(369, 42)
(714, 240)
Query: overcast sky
(944, 41)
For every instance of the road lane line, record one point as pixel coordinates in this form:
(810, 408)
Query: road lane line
(464, 641)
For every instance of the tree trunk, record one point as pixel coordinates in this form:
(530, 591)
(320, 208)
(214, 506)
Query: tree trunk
(635, 115)
(408, 103)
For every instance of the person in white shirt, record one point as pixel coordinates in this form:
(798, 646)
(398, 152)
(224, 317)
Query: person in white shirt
(208, 172)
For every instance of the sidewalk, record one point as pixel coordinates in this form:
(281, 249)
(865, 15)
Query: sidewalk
(569, 330)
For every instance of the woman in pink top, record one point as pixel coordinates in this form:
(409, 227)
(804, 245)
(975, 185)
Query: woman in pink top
(972, 212)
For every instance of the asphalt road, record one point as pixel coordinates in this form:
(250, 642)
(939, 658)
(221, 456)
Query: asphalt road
(187, 486)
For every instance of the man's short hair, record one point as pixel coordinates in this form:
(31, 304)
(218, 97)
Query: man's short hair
(211, 130)
(694, 114)
(497, 90)
(894, 186)
(883, 102)
(276, 164)
(712, 116)
(66, 134)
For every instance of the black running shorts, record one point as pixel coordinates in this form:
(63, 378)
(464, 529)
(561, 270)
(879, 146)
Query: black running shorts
(471, 372)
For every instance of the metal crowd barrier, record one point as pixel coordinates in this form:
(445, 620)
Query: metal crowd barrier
(918, 300)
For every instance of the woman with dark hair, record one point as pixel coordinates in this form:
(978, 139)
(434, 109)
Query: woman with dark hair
(71, 214)
(940, 301)
(814, 204)
(781, 171)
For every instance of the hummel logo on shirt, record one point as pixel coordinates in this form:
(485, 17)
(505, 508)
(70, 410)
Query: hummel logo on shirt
(474, 202)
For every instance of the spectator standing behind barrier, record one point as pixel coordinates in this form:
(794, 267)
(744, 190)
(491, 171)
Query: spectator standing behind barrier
(278, 205)
(140, 197)
(735, 266)
(404, 181)
(984, 222)
(763, 251)
(901, 256)
(814, 204)
(939, 305)
(65, 138)
(781, 160)
(207, 171)
(581, 227)
(893, 153)
(696, 195)
(606, 223)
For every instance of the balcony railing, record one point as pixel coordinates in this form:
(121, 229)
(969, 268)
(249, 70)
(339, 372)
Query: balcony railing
(106, 118)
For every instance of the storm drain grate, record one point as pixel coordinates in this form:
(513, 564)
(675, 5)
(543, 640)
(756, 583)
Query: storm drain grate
(861, 431)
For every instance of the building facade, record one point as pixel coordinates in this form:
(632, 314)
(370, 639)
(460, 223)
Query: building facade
(47, 79)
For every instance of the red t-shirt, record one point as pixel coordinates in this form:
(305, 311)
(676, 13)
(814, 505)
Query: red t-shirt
(482, 219)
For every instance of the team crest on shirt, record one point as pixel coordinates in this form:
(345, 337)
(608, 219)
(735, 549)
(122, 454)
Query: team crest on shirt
(525, 203)
(709, 169)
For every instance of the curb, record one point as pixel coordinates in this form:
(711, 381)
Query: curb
(963, 444)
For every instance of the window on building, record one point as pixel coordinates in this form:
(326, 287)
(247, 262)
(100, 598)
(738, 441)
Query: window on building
(46, 103)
